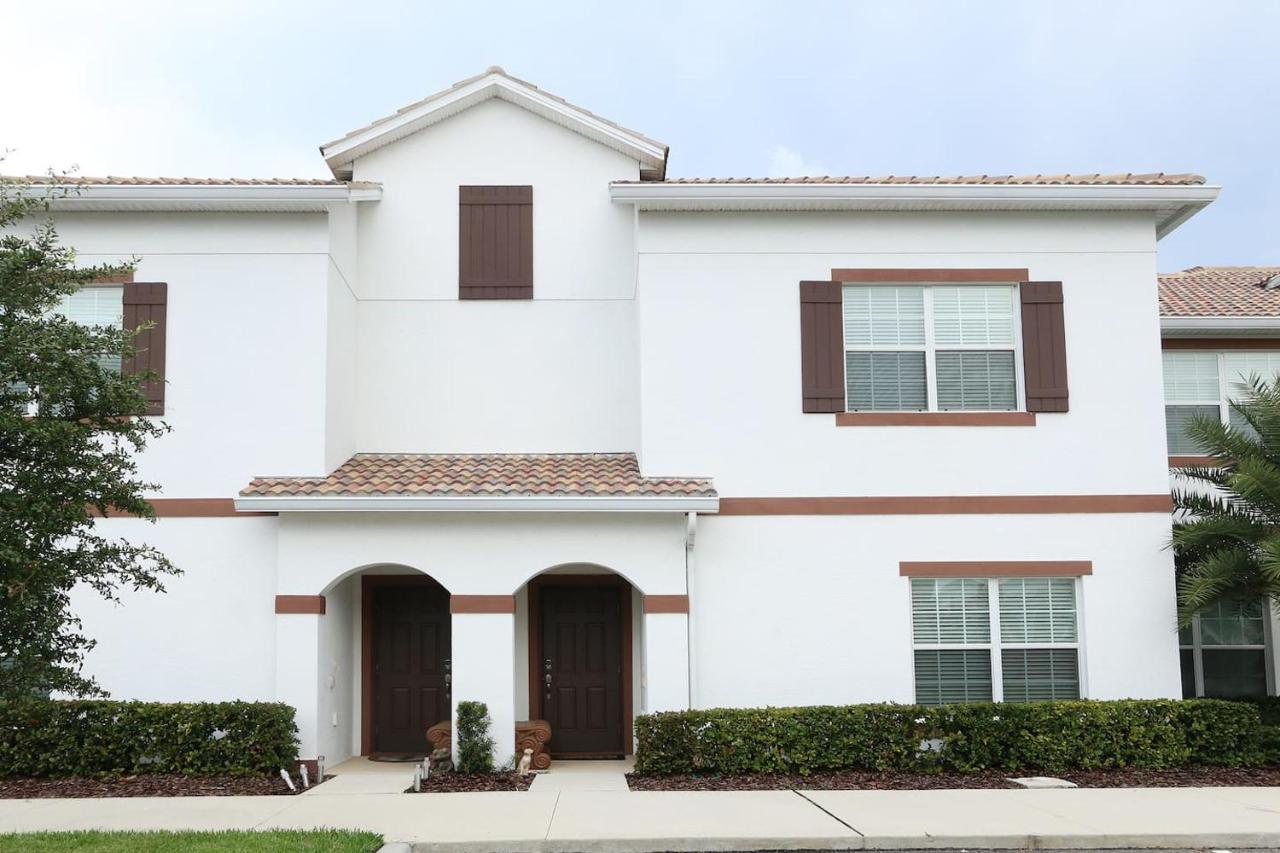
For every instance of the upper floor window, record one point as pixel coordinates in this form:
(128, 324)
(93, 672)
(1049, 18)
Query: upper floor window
(495, 242)
(99, 305)
(930, 348)
(1201, 383)
(1028, 652)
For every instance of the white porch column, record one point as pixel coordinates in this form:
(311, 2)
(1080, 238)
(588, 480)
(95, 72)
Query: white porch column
(298, 664)
(483, 669)
(666, 652)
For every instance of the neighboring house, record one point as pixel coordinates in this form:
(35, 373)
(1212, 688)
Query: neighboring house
(501, 414)
(1221, 326)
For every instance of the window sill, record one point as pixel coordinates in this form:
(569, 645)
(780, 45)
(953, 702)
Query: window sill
(935, 419)
(1192, 462)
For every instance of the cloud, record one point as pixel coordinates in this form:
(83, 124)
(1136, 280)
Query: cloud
(785, 162)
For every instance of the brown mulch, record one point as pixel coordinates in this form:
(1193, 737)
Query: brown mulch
(869, 780)
(446, 783)
(149, 785)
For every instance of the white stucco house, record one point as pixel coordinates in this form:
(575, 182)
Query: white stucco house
(501, 413)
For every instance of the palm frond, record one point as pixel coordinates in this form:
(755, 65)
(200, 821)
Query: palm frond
(1224, 573)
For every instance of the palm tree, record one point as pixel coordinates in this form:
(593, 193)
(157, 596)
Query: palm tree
(1226, 534)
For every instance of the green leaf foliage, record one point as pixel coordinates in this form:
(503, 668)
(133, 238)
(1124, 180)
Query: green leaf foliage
(475, 745)
(1037, 736)
(70, 430)
(97, 737)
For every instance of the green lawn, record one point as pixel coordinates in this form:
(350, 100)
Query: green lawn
(273, 841)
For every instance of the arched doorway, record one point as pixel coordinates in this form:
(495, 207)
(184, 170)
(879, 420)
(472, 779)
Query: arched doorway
(580, 651)
(406, 661)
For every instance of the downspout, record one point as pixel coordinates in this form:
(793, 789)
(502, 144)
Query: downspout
(691, 532)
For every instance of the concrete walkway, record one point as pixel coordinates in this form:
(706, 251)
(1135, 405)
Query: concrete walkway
(585, 820)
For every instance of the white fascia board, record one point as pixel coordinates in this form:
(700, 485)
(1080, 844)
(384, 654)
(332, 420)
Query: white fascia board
(230, 197)
(1239, 325)
(484, 503)
(342, 152)
(1174, 204)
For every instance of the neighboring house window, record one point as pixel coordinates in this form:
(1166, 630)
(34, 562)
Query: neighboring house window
(1030, 652)
(100, 305)
(1198, 383)
(1224, 651)
(495, 242)
(930, 348)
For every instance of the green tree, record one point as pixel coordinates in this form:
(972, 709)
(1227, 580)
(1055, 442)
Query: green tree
(1226, 535)
(70, 427)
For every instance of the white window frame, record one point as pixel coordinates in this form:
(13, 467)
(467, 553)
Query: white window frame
(1197, 648)
(996, 644)
(930, 349)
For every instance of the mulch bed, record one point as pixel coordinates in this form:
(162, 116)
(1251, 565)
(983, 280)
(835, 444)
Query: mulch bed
(446, 783)
(149, 785)
(868, 780)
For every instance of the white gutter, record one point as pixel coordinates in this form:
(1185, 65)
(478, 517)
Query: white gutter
(230, 197)
(1220, 324)
(478, 503)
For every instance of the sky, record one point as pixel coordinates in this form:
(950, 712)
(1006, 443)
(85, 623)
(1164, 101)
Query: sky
(250, 88)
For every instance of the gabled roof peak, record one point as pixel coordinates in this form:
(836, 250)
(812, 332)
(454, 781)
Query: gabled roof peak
(493, 82)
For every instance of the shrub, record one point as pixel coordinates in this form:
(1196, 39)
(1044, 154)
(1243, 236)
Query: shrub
(1041, 736)
(475, 746)
(91, 737)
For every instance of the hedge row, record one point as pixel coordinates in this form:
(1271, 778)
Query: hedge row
(1040, 736)
(103, 738)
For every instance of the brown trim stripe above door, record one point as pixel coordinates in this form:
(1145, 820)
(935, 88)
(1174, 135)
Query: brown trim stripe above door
(482, 604)
(300, 604)
(924, 276)
(1193, 462)
(958, 505)
(998, 569)
(666, 604)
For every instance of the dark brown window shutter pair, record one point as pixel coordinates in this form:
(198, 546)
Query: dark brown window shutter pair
(1044, 348)
(495, 242)
(146, 302)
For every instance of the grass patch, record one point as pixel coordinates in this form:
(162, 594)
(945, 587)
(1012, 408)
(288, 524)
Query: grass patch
(269, 841)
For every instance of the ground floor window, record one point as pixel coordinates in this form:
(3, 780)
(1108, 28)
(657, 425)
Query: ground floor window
(1224, 651)
(1029, 652)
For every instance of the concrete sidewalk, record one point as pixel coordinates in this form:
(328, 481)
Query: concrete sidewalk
(586, 820)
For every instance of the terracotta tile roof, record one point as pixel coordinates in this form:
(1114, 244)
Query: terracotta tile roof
(1094, 179)
(133, 180)
(484, 474)
(1219, 292)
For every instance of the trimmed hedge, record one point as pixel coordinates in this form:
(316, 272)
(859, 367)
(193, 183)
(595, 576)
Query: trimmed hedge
(1042, 736)
(91, 737)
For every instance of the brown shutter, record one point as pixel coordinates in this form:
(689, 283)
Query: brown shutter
(821, 348)
(495, 242)
(147, 303)
(1044, 346)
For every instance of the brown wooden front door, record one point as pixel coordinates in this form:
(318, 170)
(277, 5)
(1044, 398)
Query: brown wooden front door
(410, 665)
(580, 670)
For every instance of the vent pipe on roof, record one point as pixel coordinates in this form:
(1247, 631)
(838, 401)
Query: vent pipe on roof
(1272, 283)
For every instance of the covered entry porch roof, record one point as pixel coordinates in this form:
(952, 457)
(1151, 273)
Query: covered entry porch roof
(483, 482)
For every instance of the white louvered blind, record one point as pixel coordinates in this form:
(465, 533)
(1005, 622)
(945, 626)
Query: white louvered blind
(973, 316)
(976, 380)
(886, 381)
(1191, 377)
(96, 306)
(1038, 610)
(952, 675)
(950, 611)
(1240, 366)
(884, 316)
(1038, 675)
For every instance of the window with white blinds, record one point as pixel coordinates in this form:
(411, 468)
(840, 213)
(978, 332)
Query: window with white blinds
(1033, 643)
(930, 348)
(96, 306)
(1202, 384)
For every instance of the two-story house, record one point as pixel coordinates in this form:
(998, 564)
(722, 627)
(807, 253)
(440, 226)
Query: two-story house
(1220, 327)
(500, 413)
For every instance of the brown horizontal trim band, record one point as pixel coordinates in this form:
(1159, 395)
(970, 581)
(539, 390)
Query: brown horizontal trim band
(192, 508)
(1193, 462)
(1220, 343)
(921, 276)
(482, 604)
(300, 604)
(998, 569)
(935, 419)
(666, 604)
(959, 505)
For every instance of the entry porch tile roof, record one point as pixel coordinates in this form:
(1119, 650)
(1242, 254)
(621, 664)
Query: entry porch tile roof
(484, 475)
(1220, 292)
